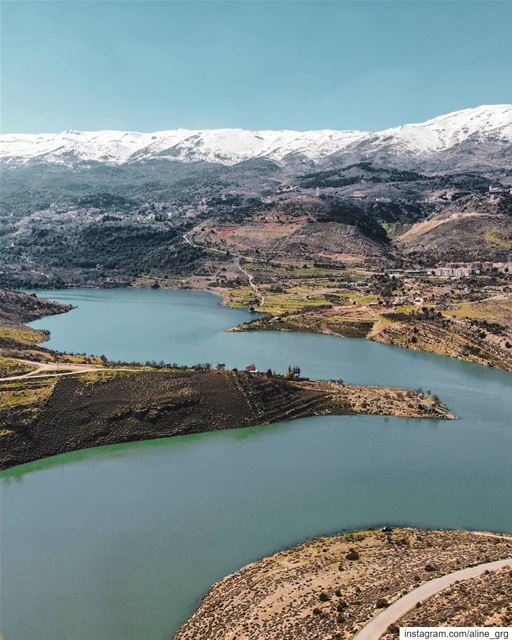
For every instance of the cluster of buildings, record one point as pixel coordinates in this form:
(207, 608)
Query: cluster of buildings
(466, 269)
(454, 270)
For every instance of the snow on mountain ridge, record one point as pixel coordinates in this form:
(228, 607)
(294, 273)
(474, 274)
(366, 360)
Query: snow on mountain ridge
(453, 128)
(230, 146)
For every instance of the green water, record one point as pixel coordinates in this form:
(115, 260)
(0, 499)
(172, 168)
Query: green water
(120, 543)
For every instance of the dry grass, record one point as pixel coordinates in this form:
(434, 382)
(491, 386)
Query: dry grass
(13, 367)
(26, 392)
(24, 335)
(495, 237)
(487, 310)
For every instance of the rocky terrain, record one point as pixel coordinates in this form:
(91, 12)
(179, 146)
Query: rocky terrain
(329, 588)
(459, 338)
(18, 308)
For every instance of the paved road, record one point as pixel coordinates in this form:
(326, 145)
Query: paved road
(376, 628)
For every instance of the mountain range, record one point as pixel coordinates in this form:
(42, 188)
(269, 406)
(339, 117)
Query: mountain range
(112, 206)
(475, 138)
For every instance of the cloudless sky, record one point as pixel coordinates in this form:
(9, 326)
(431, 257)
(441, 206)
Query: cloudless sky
(260, 65)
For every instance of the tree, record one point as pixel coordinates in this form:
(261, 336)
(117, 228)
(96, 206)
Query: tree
(293, 372)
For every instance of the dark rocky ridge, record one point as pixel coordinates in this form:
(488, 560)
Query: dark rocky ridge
(18, 308)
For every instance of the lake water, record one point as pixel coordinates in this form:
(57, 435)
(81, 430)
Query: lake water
(120, 543)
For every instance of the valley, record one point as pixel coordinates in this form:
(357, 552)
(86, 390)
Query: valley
(52, 403)
(346, 233)
(255, 320)
(399, 238)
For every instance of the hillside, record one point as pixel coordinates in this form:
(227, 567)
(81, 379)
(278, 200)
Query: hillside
(351, 233)
(109, 207)
(17, 308)
(331, 587)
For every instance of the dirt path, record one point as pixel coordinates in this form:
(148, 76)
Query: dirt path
(49, 369)
(66, 368)
(250, 277)
(378, 626)
(238, 257)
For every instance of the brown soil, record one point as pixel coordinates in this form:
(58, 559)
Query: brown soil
(107, 407)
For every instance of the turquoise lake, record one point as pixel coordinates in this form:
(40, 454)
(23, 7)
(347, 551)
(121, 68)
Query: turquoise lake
(120, 543)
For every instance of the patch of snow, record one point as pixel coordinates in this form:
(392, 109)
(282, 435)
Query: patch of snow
(230, 146)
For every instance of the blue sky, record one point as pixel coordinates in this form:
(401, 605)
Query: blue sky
(261, 65)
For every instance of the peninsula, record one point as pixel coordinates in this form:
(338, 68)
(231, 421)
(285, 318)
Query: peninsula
(52, 403)
(360, 585)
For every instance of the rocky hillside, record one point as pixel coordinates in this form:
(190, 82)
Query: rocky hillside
(18, 308)
(89, 208)
(44, 416)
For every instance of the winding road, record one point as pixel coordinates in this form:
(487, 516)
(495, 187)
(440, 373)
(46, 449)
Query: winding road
(378, 626)
(238, 263)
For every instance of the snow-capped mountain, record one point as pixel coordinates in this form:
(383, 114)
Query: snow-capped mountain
(224, 146)
(479, 128)
(445, 132)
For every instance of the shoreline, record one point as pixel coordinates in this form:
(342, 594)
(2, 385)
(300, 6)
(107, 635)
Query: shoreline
(65, 402)
(415, 340)
(98, 407)
(398, 337)
(338, 583)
